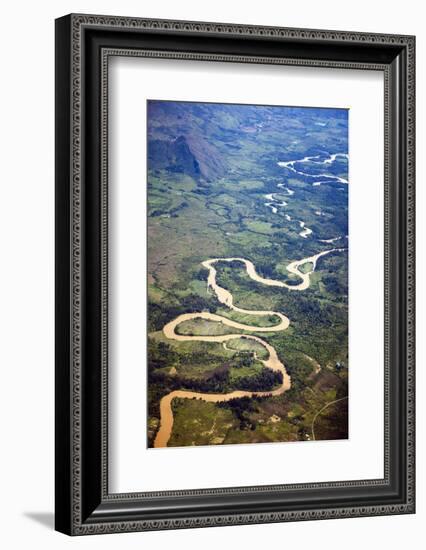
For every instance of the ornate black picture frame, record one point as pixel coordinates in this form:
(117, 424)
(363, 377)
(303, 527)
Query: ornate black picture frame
(83, 45)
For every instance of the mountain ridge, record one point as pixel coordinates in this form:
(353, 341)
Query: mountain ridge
(191, 155)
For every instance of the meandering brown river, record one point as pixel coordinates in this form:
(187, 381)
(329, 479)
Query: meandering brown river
(225, 297)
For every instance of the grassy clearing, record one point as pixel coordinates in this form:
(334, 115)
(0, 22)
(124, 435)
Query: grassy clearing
(247, 319)
(259, 227)
(203, 327)
(306, 268)
(235, 374)
(199, 423)
(245, 344)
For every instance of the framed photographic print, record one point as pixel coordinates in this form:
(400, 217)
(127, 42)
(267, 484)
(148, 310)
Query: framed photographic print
(234, 274)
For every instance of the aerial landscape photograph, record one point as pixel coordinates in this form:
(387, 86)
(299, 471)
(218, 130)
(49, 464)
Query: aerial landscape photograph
(248, 244)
